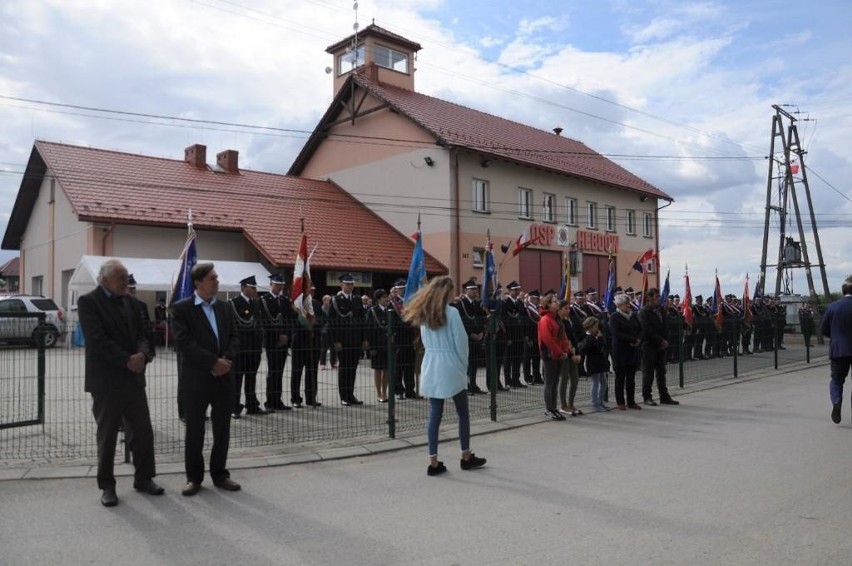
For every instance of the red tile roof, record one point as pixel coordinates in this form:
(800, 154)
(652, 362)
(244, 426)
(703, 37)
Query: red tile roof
(375, 31)
(455, 125)
(110, 186)
(11, 268)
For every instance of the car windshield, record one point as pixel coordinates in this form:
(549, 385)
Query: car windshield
(45, 304)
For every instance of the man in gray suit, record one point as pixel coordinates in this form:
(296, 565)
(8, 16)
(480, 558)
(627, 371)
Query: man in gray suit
(206, 339)
(116, 355)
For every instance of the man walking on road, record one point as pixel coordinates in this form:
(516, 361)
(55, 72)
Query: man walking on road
(837, 325)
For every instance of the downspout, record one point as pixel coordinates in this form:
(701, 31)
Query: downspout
(106, 235)
(455, 253)
(657, 238)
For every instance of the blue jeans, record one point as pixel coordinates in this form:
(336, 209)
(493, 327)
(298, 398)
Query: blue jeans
(436, 412)
(839, 369)
(598, 386)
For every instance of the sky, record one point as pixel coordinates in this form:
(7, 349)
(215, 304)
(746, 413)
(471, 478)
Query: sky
(678, 92)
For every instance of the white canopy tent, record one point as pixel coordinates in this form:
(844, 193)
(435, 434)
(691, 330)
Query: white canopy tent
(160, 274)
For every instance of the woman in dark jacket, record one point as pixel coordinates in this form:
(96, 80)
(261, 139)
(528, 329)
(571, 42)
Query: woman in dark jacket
(626, 337)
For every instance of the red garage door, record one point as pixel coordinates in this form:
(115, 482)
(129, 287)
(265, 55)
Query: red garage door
(595, 272)
(540, 269)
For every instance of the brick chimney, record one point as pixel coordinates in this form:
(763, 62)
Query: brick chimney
(196, 155)
(228, 160)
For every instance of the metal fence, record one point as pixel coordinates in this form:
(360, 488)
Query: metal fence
(45, 415)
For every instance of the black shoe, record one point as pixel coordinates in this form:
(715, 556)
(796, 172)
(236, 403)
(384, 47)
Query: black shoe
(149, 487)
(835, 413)
(355, 401)
(781, 347)
(256, 411)
(227, 484)
(109, 498)
(473, 462)
(190, 489)
(669, 401)
(519, 385)
(650, 402)
(435, 470)
(297, 404)
(235, 415)
(314, 404)
(502, 387)
(345, 403)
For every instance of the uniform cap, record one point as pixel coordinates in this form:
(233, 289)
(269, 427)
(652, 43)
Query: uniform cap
(277, 278)
(471, 284)
(579, 294)
(591, 291)
(399, 284)
(534, 293)
(513, 286)
(131, 281)
(346, 278)
(249, 281)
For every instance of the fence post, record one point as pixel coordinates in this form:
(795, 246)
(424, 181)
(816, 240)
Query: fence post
(492, 372)
(42, 371)
(735, 347)
(680, 347)
(391, 373)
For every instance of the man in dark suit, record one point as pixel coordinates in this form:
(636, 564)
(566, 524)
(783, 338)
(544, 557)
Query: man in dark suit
(654, 346)
(206, 338)
(836, 325)
(347, 324)
(279, 321)
(116, 355)
(405, 336)
(247, 316)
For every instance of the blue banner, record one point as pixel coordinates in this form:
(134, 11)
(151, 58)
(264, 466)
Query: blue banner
(188, 259)
(664, 294)
(417, 270)
(489, 286)
(609, 294)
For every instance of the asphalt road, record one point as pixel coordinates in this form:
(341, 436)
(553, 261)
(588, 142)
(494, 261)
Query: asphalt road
(749, 473)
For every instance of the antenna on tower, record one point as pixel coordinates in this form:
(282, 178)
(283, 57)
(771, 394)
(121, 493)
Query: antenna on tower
(355, 27)
(786, 171)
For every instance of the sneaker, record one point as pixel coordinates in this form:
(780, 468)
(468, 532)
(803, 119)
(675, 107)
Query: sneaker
(435, 470)
(473, 462)
(835, 413)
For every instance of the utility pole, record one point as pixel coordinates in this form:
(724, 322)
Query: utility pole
(786, 170)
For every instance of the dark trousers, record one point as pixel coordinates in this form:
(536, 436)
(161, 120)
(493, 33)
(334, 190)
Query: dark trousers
(347, 368)
(276, 359)
(327, 350)
(625, 381)
(513, 360)
(403, 379)
(245, 371)
(179, 388)
(551, 383)
(532, 363)
(218, 394)
(654, 363)
(131, 404)
(306, 359)
(500, 356)
(474, 356)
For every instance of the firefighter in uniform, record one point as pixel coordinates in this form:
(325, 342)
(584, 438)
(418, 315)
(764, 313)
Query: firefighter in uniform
(248, 320)
(347, 325)
(278, 319)
(511, 311)
(405, 337)
(532, 355)
(473, 319)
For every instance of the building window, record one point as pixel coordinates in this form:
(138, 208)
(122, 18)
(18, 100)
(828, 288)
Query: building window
(349, 60)
(391, 58)
(646, 224)
(548, 213)
(571, 211)
(610, 218)
(478, 257)
(631, 222)
(480, 195)
(37, 285)
(525, 199)
(592, 218)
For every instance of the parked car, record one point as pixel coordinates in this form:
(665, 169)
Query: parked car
(17, 330)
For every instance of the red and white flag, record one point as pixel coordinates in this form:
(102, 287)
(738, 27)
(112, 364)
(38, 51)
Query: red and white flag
(688, 314)
(521, 242)
(747, 314)
(301, 293)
